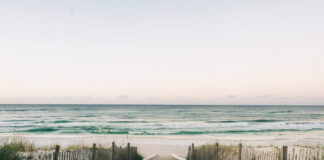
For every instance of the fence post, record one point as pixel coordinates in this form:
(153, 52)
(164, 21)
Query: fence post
(202, 152)
(193, 154)
(94, 151)
(284, 153)
(113, 151)
(240, 152)
(128, 152)
(189, 153)
(57, 150)
(133, 155)
(216, 151)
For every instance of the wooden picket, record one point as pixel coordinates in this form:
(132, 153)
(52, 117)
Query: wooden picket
(240, 152)
(113, 153)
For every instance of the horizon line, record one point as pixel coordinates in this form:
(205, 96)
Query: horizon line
(161, 104)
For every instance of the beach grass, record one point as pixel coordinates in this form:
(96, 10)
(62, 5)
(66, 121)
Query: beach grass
(19, 149)
(12, 150)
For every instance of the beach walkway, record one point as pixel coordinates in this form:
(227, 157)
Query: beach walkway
(160, 157)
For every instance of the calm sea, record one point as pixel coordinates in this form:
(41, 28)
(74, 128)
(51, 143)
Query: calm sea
(160, 119)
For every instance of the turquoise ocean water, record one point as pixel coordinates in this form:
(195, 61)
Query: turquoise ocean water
(160, 119)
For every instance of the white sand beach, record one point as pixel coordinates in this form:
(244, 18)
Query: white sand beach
(166, 145)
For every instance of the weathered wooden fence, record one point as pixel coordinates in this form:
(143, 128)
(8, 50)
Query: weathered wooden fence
(94, 153)
(240, 152)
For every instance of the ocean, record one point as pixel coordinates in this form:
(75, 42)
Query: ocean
(160, 119)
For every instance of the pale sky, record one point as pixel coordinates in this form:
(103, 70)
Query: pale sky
(162, 51)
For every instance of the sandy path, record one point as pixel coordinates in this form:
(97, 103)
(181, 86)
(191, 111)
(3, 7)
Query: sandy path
(160, 157)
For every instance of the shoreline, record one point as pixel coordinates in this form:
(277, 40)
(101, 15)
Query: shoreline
(168, 144)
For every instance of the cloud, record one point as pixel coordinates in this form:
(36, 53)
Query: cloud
(123, 97)
(265, 96)
(72, 9)
(231, 96)
(284, 98)
(152, 98)
(318, 98)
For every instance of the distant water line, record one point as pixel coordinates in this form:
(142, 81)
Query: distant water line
(160, 119)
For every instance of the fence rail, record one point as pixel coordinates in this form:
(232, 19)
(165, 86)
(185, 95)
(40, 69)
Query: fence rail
(240, 152)
(94, 153)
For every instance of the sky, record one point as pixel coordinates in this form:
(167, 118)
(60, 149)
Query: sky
(162, 52)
